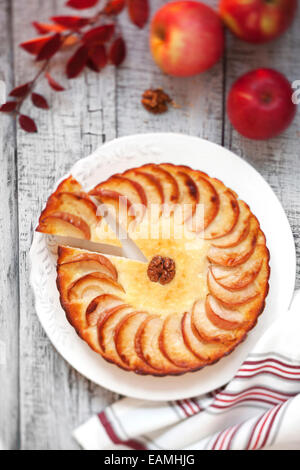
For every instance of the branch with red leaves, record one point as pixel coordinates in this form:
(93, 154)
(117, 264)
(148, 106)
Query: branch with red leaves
(97, 44)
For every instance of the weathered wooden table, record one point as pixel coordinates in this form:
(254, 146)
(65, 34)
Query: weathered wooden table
(41, 398)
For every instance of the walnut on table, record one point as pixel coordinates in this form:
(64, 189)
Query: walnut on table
(156, 101)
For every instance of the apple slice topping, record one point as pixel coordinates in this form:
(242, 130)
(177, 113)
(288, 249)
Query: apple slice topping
(109, 197)
(69, 212)
(188, 189)
(206, 194)
(207, 352)
(228, 297)
(239, 232)
(242, 275)
(98, 306)
(172, 344)
(79, 261)
(62, 223)
(77, 270)
(90, 335)
(150, 183)
(127, 205)
(207, 330)
(221, 316)
(75, 313)
(147, 347)
(209, 200)
(226, 218)
(120, 206)
(125, 186)
(69, 185)
(92, 285)
(125, 335)
(168, 182)
(189, 194)
(78, 204)
(237, 254)
(106, 333)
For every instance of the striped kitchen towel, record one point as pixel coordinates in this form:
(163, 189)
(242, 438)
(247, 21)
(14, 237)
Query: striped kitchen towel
(258, 409)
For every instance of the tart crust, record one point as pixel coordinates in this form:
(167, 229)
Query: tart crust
(208, 306)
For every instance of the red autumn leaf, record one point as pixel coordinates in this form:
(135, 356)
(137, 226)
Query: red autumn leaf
(114, 7)
(77, 62)
(39, 101)
(50, 47)
(99, 35)
(33, 46)
(81, 4)
(45, 28)
(71, 22)
(53, 83)
(98, 57)
(20, 90)
(27, 123)
(92, 66)
(138, 12)
(117, 52)
(8, 107)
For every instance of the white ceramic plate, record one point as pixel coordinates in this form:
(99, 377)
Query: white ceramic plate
(126, 152)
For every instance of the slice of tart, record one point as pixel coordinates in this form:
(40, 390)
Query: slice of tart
(70, 212)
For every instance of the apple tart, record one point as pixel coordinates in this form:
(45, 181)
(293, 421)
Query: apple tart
(70, 212)
(200, 292)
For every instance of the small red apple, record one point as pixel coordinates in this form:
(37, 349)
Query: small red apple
(186, 38)
(257, 20)
(260, 104)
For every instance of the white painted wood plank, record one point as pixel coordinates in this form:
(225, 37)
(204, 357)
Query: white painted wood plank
(199, 98)
(9, 291)
(54, 398)
(278, 160)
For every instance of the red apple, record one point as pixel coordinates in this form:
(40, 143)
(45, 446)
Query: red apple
(186, 38)
(260, 104)
(257, 20)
